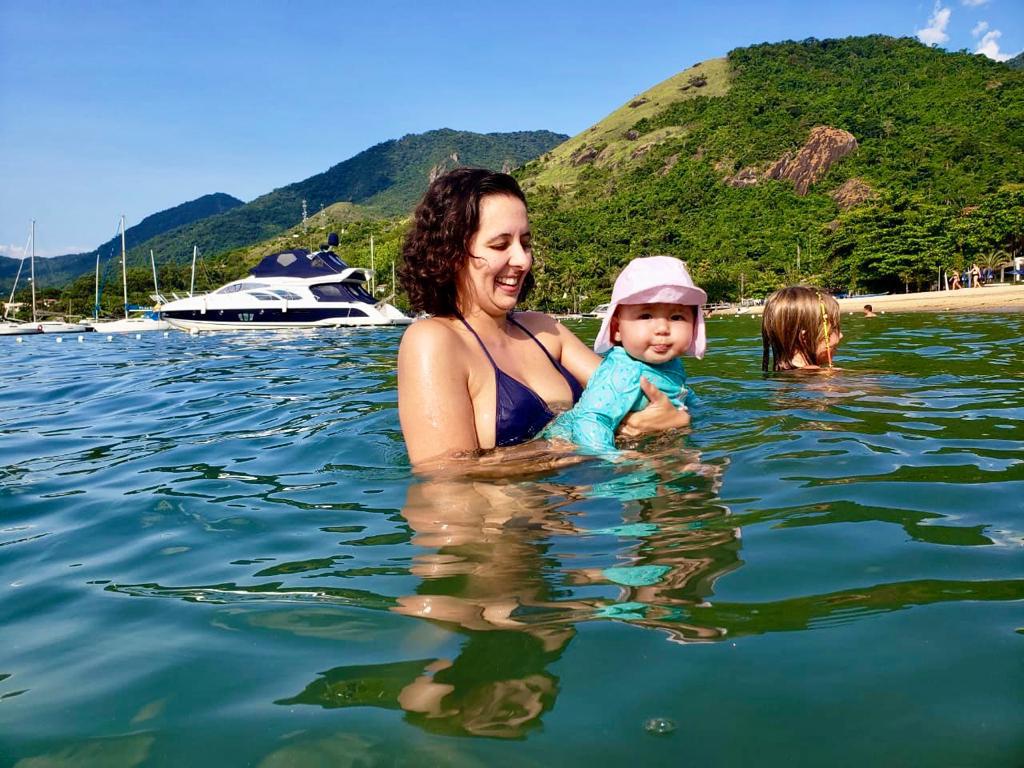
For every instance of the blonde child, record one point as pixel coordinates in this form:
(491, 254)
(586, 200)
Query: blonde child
(801, 327)
(655, 317)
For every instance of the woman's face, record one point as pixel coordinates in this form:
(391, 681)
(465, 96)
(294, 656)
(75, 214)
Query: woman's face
(500, 257)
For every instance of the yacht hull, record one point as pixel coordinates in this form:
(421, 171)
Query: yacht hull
(270, 319)
(18, 329)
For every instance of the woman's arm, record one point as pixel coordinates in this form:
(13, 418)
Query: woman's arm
(434, 405)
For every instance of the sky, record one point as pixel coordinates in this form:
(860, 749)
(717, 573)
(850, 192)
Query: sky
(115, 107)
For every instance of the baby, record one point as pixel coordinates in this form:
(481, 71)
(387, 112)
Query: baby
(800, 327)
(654, 318)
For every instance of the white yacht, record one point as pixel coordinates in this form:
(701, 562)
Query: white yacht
(293, 289)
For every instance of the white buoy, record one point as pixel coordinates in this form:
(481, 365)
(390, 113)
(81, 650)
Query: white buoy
(20, 340)
(81, 339)
(60, 339)
(110, 338)
(166, 334)
(138, 336)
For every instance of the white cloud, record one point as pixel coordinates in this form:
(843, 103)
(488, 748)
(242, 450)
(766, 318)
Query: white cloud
(989, 45)
(979, 29)
(974, 3)
(935, 32)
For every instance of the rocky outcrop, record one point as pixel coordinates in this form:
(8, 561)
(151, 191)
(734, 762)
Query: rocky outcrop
(852, 193)
(584, 155)
(450, 163)
(747, 177)
(824, 147)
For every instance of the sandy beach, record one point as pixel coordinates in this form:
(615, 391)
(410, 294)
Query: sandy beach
(1005, 296)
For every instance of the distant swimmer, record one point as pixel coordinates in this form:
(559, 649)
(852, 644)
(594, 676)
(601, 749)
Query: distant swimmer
(868, 311)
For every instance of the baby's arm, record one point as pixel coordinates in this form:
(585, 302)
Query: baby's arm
(605, 402)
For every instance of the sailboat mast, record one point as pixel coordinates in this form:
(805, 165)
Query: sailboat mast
(192, 285)
(124, 269)
(373, 273)
(32, 272)
(96, 302)
(152, 263)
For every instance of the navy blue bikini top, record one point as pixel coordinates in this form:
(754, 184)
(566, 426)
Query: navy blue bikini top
(521, 413)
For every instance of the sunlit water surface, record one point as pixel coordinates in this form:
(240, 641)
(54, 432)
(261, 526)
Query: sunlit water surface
(213, 553)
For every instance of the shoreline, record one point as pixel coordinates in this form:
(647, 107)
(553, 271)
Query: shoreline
(1006, 296)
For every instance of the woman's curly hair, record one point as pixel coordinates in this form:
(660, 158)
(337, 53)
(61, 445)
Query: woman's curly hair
(437, 246)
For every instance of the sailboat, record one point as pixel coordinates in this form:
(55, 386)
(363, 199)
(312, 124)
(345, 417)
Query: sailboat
(8, 328)
(144, 319)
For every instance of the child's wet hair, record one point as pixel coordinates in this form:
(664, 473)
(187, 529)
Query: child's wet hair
(795, 319)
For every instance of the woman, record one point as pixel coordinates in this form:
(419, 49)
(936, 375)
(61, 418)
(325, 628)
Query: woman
(474, 376)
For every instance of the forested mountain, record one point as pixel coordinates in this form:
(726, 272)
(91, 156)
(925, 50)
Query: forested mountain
(58, 270)
(862, 163)
(1017, 62)
(386, 179)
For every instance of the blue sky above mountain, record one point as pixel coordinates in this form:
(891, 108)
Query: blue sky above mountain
(134, 108)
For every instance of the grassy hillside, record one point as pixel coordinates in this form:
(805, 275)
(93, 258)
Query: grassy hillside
(939, 162)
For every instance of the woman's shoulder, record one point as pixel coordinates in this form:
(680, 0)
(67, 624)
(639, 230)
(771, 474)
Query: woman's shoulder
(429, 335)
(543, 326)
(537, 322)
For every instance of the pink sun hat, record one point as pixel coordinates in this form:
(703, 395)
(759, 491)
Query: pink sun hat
(656, 280)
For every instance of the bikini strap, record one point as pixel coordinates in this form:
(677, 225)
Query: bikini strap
(479, 340)
(536, 340)
(516, 323)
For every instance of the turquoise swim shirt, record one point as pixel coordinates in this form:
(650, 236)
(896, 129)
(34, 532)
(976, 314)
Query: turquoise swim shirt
(612, 392)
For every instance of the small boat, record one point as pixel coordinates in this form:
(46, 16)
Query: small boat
(7, 328)
(292, 289)
(146, 319)
(59, 326)
(599, 311)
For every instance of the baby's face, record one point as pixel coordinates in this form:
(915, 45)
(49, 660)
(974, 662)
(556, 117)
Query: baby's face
(654, 333)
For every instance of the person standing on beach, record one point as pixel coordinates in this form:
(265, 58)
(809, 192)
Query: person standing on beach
(975, 275)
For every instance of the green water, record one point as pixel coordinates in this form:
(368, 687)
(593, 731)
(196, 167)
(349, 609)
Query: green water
(212, 553)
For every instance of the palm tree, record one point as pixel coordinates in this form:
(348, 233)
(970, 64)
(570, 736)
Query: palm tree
(997, 260)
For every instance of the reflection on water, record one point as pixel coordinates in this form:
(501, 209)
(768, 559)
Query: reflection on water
(490, 569)
(212, 552)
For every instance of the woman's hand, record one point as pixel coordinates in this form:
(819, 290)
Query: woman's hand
(658, 416)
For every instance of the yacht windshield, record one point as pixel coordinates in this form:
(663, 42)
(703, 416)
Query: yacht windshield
(341, 292)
